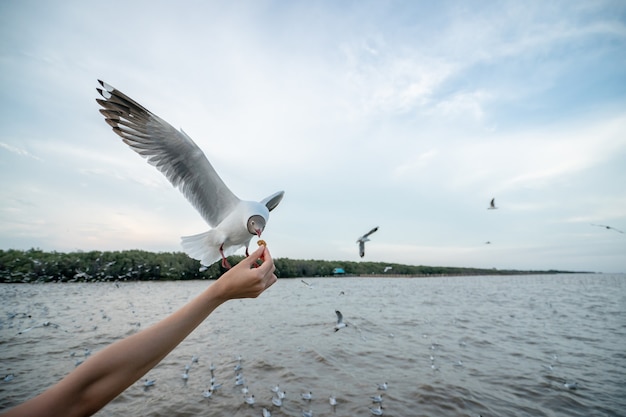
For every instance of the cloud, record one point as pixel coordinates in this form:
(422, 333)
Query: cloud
(19, 151)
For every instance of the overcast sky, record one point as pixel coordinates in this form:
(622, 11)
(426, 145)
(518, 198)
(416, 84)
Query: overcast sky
(407, 115)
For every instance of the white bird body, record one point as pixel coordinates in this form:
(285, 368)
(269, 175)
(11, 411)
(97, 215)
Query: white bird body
(234, 222)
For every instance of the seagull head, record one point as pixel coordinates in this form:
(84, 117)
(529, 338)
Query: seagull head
(256, 224)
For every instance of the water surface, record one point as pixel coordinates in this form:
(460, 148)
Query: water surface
(457, 346)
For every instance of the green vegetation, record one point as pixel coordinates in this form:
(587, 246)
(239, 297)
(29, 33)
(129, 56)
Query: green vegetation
(35, 265)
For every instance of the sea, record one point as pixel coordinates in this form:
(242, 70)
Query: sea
(525, 345)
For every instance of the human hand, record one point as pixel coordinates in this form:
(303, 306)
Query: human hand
(246, 280)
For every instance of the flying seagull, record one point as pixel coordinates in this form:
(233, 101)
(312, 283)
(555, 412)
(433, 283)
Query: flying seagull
(175, 154)
(607, 227)
(361, 241)
(492, 205)
(340, 324)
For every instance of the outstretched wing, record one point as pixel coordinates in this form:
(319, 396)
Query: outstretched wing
(272, 201)
(369, 233)
(339, 316)
(171, 151)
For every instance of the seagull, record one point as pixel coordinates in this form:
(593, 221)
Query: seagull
(492, 205)
(383, 386)
(307, 413)
(361, 241)
(278, 402)
(266, 413)
(377, 398)
(207, 393)
(307, 396)
(607, 227)
(340, 324)
(571, 385)
(308, 284)
(377, 411)
(234, 222)
(332, 400)
(249, 400)
(148, 382)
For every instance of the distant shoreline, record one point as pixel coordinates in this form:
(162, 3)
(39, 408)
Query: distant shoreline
(35, 265)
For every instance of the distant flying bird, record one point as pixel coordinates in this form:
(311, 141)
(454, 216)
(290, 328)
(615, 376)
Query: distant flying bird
(492, 205)
(361, 241)
(175, 154)
(340, 324)
(607, 227)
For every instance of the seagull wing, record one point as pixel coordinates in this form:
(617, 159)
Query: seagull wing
(339, 316)
(272, 201)
(171, 151)
(370, 232)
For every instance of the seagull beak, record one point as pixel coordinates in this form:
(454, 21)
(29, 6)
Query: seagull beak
(258, 232)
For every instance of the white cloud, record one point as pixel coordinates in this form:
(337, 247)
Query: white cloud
(18, 151)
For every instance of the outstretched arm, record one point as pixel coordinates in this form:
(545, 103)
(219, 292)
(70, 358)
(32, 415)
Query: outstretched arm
(109, 372)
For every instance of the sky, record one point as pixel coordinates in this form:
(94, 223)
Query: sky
(406, 115)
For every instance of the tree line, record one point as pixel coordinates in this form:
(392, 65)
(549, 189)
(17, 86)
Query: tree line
(37, 266)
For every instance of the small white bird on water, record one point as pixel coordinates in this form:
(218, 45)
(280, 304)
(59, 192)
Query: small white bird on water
(332, 400)
(340, 324)
(383, 386)
(307, 396)
(377, 398)
(266, 412)
(377, 411)
(176, 155)
(307, 413)
(365, 238)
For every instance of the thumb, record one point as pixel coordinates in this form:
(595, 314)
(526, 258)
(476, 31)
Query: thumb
(257, 254)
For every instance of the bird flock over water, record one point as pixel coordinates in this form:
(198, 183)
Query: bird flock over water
(277, 395)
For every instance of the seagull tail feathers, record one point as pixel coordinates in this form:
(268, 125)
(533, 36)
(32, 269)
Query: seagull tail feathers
(202, 247)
